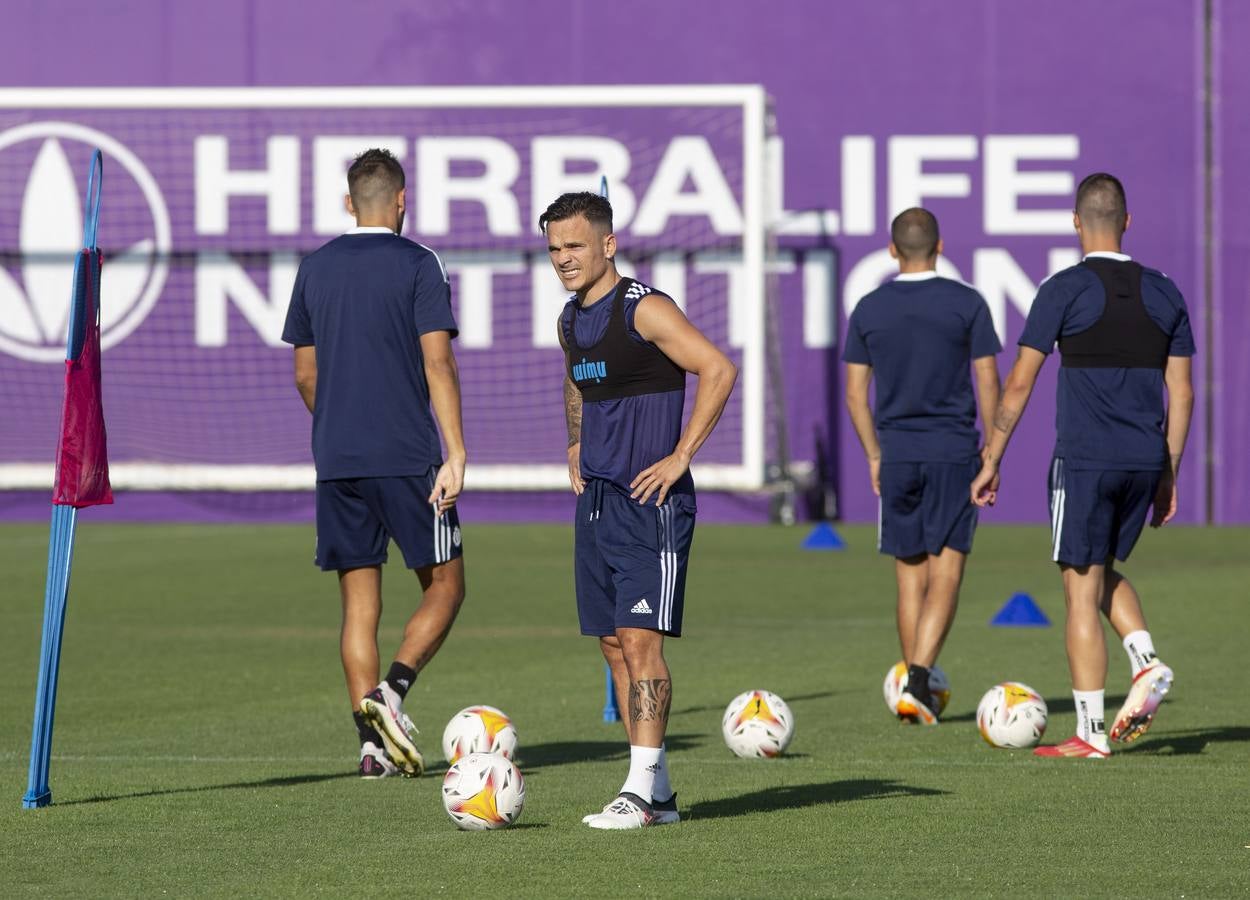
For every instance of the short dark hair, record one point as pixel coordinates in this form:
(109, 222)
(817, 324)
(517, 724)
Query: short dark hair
(914, 233)
(374, 175)
(596, 209)
(1101, 204)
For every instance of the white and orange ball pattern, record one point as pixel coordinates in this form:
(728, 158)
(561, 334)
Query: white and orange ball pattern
(757, 724)
(1012, 716)
(896, 677)
(483, 792)
(479, 729)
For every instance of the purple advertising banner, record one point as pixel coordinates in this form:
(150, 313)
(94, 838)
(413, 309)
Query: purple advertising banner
(1230, 328)
(986, 114)
(212, 197)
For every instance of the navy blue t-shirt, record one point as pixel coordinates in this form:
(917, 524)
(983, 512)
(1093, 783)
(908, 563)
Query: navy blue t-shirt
(920, 336)
(622, 437)
(364, 300)
(1107, 418)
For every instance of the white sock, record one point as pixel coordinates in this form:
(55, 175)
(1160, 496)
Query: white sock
(1140, 649)
(644, 763)
(661, 790)
(1090, 724)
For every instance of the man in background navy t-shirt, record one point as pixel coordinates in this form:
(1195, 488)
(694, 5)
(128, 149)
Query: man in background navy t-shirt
(920, 335)
(1123, 335)
(371, 321)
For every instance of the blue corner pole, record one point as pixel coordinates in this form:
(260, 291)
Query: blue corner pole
(64, 517)
(60, 556)
(611, 712)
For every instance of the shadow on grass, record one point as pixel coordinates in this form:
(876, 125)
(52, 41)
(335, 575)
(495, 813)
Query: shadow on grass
(285, 781)
(798, 698)
(1189, 743)
(798, 796)
(558, 753)
(1061, 705)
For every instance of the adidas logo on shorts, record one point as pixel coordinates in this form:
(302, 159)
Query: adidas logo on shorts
(641, 607)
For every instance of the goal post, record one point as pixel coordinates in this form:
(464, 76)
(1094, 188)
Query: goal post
(220, 191)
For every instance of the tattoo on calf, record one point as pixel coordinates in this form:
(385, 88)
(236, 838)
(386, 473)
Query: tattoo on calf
(649, 700)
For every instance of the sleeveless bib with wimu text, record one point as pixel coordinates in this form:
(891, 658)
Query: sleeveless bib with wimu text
(618, 365)
(1124, 336)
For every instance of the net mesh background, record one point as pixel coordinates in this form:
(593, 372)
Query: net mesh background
(170, 400)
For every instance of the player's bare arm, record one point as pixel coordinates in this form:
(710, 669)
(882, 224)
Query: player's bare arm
(1178, 377)
(306, 374)
(660, 321)
(1015, 398)
(573, 422)
(443, 376)
(858, 377)
(989, 391)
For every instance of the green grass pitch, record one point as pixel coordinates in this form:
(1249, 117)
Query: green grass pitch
(203, 745)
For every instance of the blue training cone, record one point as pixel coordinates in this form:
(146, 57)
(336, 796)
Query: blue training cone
(1020, 612)
(823, 537)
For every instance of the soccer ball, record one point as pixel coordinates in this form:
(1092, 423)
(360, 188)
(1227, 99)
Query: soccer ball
(483, 791)
(896, 677)
(479, 729)
(757, 723)
(1011, 715)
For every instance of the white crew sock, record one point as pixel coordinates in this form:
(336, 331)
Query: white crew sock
(1090, 724)
(661, 790)
(644, 763)
(1140, 649)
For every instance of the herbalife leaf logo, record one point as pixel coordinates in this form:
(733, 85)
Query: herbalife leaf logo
(34, 294)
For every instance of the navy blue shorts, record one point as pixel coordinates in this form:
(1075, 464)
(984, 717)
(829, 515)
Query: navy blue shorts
(357, 516)
(927, 506)
(1096, 514)
(630, 560)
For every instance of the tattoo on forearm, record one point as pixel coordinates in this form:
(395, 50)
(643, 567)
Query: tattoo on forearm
(1005, 419)
(649, 700)
(573, 411)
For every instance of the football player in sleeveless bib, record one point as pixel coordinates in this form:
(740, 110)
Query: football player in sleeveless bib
(1123, 335)
(627, 349)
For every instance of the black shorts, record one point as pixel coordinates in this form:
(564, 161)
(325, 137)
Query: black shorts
(927, 506)
(1096, 514)
(357, 516)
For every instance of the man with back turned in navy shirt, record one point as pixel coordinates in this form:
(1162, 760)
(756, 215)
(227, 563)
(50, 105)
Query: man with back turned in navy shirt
(1124, 337)
(919, 336)
(627, 351)
(371, 321)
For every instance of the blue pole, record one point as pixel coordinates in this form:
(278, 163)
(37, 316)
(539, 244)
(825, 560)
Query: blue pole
(86, 285)
(611, 712)
(60, 557)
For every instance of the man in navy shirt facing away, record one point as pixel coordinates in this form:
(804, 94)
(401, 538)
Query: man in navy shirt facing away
(920, 335)
(628, 349)
(371, 321)
(1123, 335)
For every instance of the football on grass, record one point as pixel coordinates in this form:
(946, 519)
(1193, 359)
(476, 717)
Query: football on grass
(479, 729)
(483, 792)
(939, 686)
(757, 724)
(1012, 716)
